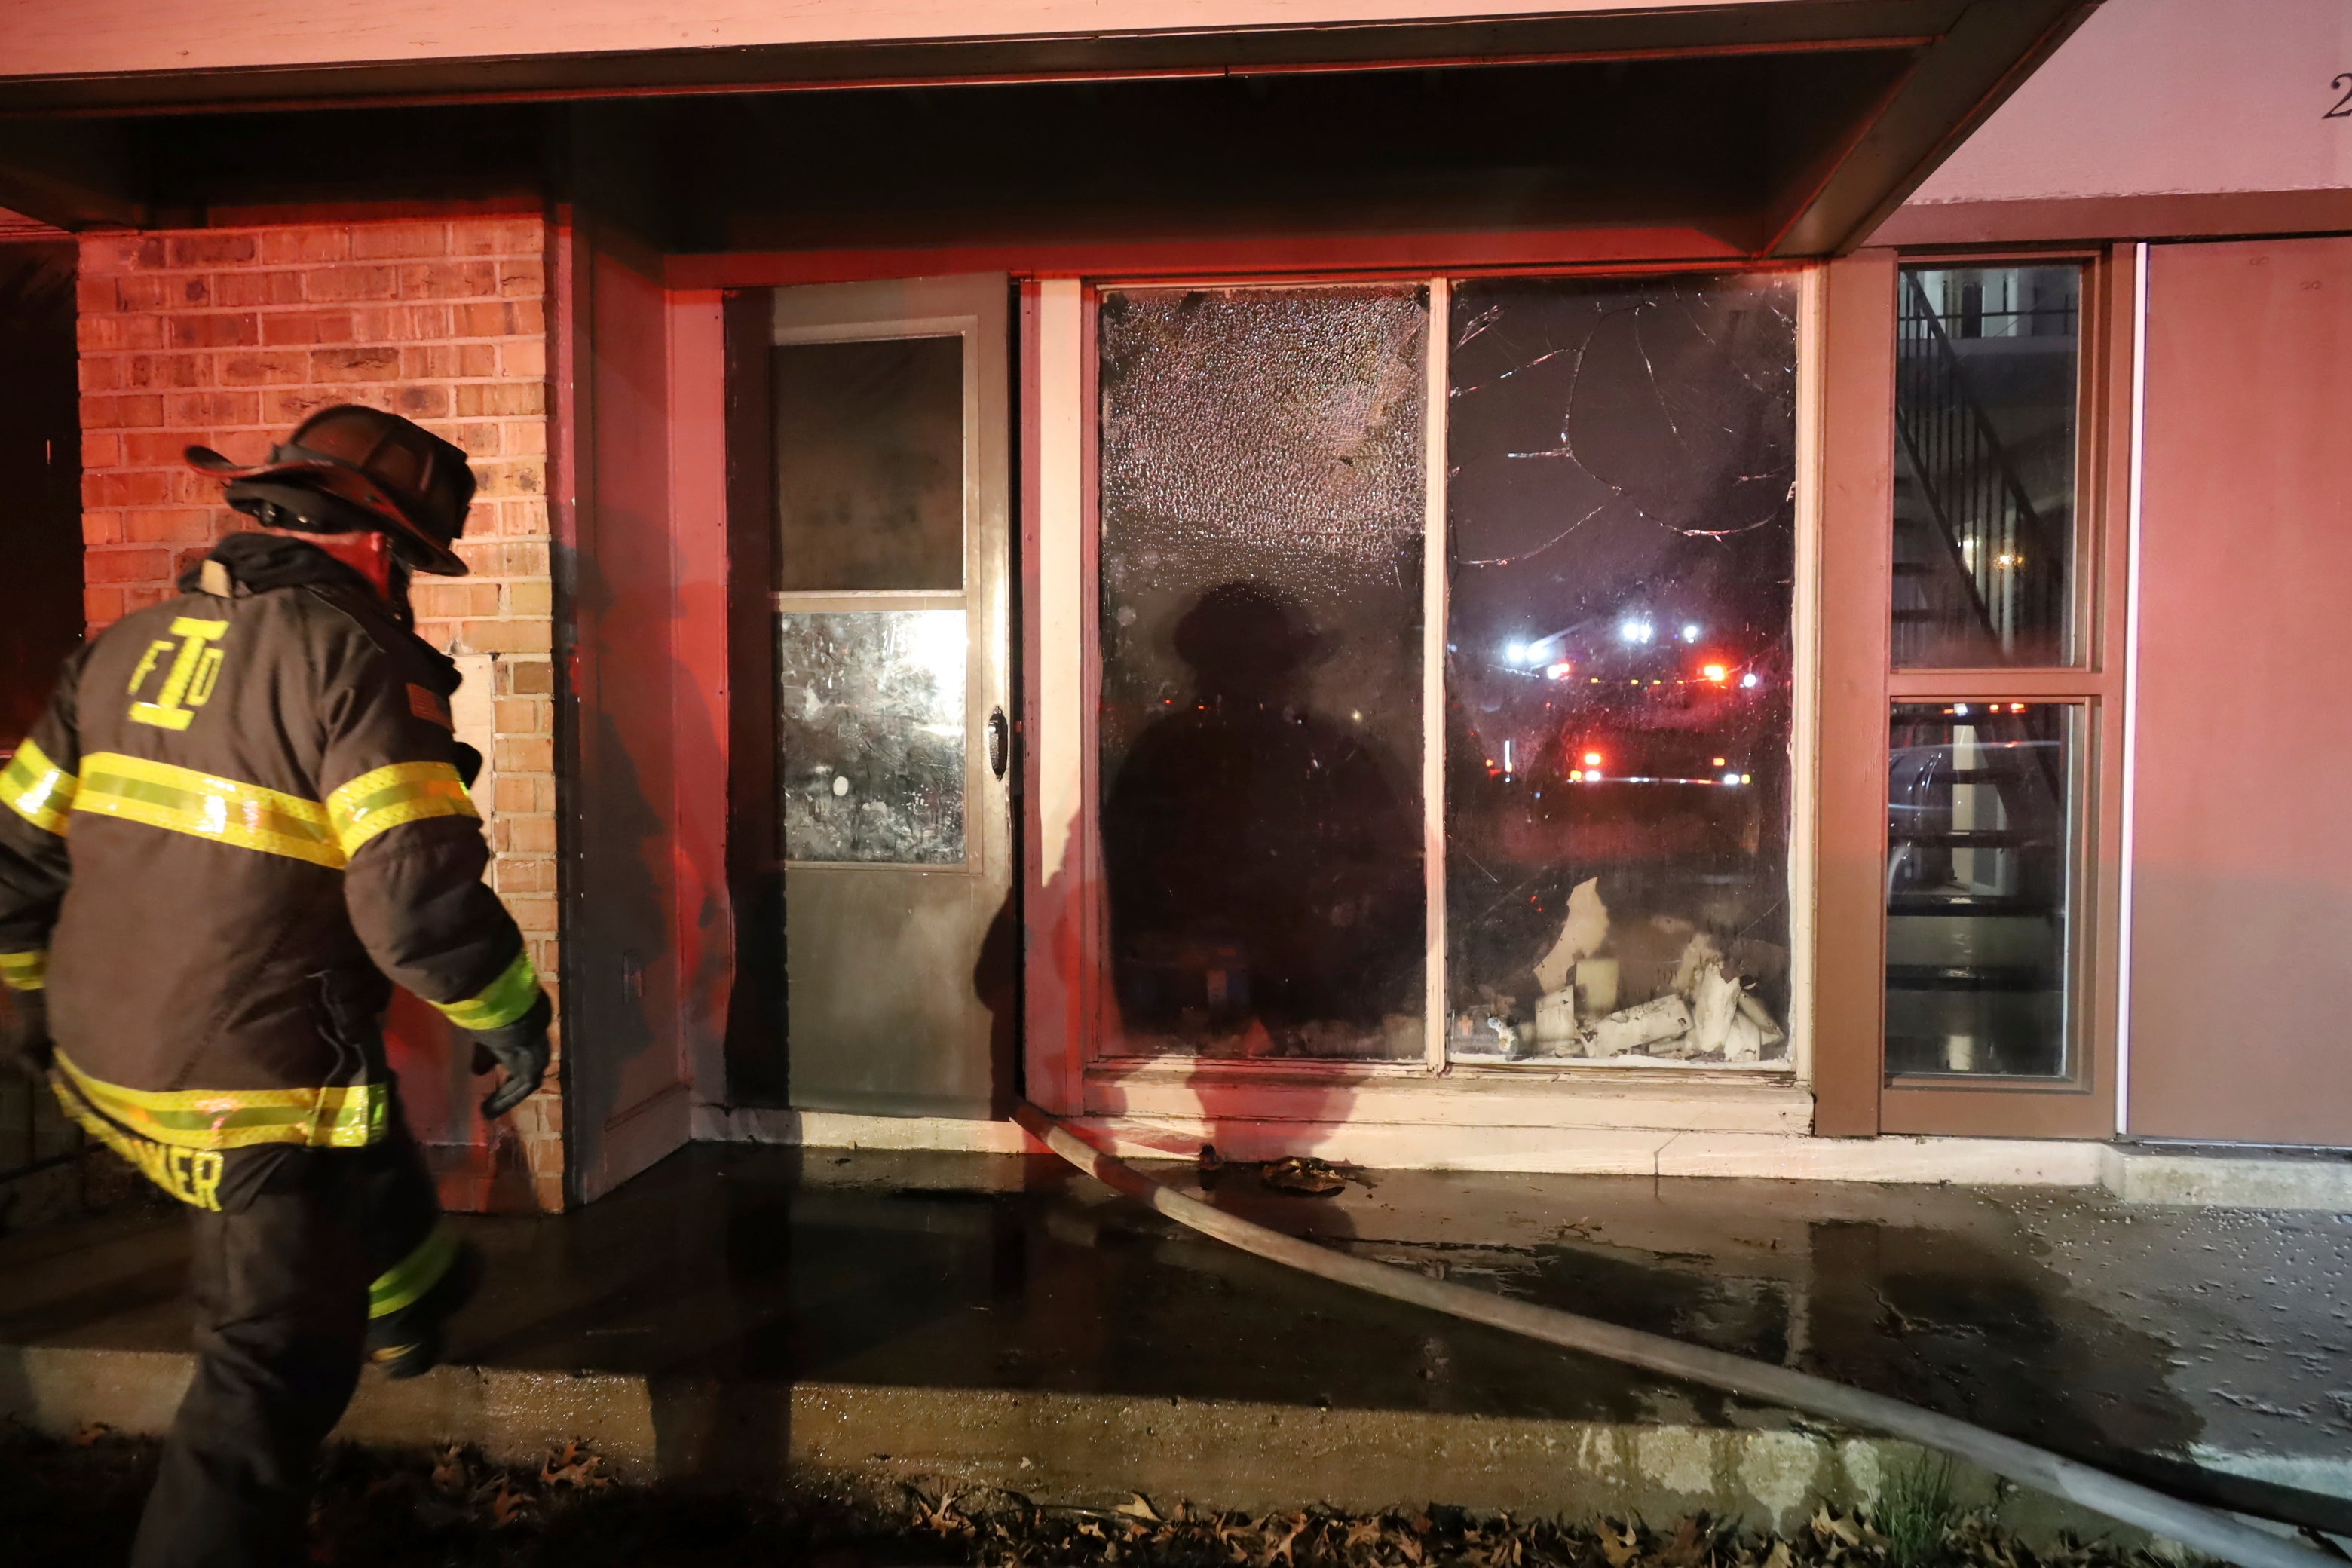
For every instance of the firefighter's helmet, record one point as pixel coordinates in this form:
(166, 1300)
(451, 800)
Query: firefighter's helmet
(346, 468)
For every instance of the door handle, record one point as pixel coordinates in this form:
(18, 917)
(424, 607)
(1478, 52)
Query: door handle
(1000, 742)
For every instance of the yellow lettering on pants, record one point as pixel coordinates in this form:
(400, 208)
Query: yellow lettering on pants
(191, 1175)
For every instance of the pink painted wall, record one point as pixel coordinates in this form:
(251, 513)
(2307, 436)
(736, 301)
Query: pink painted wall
(49, 38)
(2242, 879)
(628, 1075)
(2163, 96)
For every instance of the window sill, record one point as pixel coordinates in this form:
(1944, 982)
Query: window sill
(1201, 1094)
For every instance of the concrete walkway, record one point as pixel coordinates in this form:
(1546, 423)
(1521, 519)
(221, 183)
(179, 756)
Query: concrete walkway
(740, 1312)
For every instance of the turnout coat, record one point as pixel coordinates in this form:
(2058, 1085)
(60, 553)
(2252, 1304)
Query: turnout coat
(239, 823)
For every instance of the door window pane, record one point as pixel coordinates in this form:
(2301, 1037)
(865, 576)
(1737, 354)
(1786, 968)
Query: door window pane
(1620, 507)
(1262, 501)
(1984, 466)
(871, 736)
(1978, 829)
(869, 465)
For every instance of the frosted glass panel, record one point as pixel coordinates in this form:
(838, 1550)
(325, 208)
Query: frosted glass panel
(1262, 501)
(871, 736)
(1621, 509)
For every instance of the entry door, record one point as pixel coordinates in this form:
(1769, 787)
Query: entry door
(893, 701)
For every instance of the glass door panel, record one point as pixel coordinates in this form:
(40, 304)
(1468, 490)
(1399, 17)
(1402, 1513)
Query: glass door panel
(869, 463)
(870, 733)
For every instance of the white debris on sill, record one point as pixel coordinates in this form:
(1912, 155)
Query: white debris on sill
(1705, 1013)
(1652, 1023)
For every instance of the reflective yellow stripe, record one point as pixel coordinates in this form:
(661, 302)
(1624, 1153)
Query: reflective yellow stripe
(402, 1284)
(37, 789)
(191, 1175)
(404, 792)
(338, 1118)
(502, 1002)
(24, 971)
(181, 800)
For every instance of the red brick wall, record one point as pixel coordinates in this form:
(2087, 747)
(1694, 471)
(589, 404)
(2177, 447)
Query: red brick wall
(228, 337)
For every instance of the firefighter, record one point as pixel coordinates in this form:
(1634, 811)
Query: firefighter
(242, 821)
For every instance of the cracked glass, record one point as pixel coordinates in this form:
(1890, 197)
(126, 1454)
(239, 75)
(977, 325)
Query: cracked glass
(1262, 497)
(1621, 514)
(871, 736)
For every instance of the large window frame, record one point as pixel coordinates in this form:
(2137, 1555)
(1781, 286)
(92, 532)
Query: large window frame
(1076, 1054)
(1859, 1095)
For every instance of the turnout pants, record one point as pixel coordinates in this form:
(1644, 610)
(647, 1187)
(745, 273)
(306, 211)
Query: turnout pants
(295, 1251)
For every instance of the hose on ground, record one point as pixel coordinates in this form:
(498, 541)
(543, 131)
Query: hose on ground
(2198, 1528)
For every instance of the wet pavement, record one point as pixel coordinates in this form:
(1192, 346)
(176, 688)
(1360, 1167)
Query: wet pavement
(2121, 1335)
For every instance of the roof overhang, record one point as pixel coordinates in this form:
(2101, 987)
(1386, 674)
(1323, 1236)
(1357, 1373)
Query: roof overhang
(84, 143)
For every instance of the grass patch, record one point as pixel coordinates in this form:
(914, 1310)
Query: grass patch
(1915, 1512)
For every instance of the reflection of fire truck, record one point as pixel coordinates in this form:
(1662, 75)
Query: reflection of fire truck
(1641, 706)
(1642, 753)
(1626, 738)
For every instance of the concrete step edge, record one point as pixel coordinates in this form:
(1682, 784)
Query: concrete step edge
(1085, 1449)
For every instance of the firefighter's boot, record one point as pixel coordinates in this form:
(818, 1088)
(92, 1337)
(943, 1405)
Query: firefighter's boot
(410, 1306)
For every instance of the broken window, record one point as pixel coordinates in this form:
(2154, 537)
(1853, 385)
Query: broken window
(1986, 389)
(1260, 729)
(1618, 490)
(1979, 828)
(1621, 536)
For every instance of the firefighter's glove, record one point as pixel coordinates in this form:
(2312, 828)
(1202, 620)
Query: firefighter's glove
(25, 1032)
(521, 1048)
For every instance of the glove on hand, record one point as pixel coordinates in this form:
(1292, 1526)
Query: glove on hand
(25, 1032)
(521, 1047)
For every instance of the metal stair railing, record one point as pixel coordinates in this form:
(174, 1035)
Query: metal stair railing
(1996, 542)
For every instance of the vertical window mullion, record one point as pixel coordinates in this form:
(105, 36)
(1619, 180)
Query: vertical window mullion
(1435, 557)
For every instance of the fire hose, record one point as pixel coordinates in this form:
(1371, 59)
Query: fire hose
(2201, 1528)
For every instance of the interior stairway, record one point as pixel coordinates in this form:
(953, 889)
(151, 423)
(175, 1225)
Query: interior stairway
(1975, 938)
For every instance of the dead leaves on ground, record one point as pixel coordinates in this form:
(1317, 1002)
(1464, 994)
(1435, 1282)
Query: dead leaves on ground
(463, 1489)
(1001, 1530)
(473, 1512)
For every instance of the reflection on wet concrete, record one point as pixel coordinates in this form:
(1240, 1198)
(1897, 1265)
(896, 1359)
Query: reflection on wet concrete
(2104, 1331)
(963, 1271)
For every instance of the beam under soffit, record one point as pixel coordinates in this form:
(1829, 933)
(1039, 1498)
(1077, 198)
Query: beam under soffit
(1992, 47)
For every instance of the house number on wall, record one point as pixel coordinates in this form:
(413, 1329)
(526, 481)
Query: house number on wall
(2343, 110)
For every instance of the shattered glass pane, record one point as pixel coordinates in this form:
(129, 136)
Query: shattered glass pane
(871, 736)
(1985, 388)
(1978, 821)
(1262, 509)
(1621, 508)
(869, 465)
